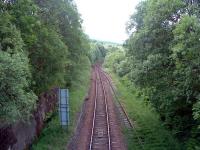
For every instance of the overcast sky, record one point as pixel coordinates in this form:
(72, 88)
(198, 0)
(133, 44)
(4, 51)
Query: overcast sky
(105, 19)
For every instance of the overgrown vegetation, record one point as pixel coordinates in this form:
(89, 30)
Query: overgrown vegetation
(117, 61)
(53, 136)
(16, 97)
(42, 45)
(149, 133)
(97, 52)
(161, 59)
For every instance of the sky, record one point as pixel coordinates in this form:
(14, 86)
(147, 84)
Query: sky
(106, 20)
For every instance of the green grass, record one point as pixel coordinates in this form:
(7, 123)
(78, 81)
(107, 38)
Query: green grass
(53, 137)
(147, 123)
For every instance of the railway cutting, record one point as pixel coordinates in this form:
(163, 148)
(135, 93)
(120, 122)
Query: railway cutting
(99, 127)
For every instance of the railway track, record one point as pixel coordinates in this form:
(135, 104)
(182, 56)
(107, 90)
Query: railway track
(100, 135)
(99, 125)
(128, 122)
(124, 116)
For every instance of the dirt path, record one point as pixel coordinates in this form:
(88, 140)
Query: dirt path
(99, 127)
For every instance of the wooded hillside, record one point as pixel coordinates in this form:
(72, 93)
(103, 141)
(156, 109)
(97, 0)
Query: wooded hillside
(42, 45)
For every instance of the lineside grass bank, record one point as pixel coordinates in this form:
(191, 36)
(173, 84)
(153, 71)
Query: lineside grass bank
(148, 126)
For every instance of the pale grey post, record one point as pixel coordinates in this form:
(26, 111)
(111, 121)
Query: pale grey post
(64, 106)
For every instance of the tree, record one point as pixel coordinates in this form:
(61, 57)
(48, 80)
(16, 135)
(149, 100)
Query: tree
(98, 52)
(65, 20)
(163, 50)
(42, 46)
(16, 99)
(49, 60)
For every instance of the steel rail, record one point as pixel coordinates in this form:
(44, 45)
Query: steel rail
(94, 114)
(130, 123)
(109, 81)
(107, 115)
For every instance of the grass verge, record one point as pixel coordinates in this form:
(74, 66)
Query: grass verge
(53, 137)
(148, 126)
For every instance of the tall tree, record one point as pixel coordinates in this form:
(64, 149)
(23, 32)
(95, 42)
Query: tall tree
(164, 53)
(17, 101)
(49, 34)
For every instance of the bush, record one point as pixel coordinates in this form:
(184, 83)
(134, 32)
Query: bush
(16, 99)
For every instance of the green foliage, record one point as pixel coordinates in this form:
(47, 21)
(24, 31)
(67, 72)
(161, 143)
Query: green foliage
(187, 61)
(63, 18)
(53, 136)
(24, 16)
(196, 110)
(49, 59)
(117, 61)
(97, 52)
(16, 99)
(49, 34)
(147, 125)
(10, 37)
(163, 57)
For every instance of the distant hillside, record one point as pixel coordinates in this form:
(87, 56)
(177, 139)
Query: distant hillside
(106, 43)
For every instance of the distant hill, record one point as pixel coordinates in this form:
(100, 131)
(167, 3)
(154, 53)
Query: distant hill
(106, 43)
